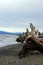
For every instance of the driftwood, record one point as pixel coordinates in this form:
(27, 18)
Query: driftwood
(33, 43)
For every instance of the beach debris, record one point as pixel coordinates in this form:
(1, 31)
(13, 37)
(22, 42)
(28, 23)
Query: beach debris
(24, 36)
(32, 41)
(31, 45)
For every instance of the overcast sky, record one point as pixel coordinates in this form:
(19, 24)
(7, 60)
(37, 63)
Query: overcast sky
(15, 15)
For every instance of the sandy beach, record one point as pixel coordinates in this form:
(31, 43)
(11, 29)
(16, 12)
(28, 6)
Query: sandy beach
(9, 56)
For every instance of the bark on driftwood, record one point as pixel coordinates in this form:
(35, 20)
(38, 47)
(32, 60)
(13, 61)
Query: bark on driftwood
(33, 43)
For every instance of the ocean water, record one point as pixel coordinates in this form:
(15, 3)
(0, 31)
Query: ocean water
(6, 39)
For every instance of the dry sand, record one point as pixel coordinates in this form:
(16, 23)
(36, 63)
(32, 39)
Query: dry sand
(9, 56)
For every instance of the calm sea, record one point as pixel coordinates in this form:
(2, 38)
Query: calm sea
(6, 39)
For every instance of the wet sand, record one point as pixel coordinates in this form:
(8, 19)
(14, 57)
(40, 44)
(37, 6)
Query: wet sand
(9, 56)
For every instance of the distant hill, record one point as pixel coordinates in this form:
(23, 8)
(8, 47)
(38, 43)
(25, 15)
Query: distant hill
(4, 32)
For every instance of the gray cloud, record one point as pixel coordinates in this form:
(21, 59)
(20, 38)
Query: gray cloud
(19, 13)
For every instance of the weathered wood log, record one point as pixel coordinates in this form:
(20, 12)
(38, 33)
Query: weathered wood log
(37, 43)
(20, 40)
(32, 44)
(26, 49)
